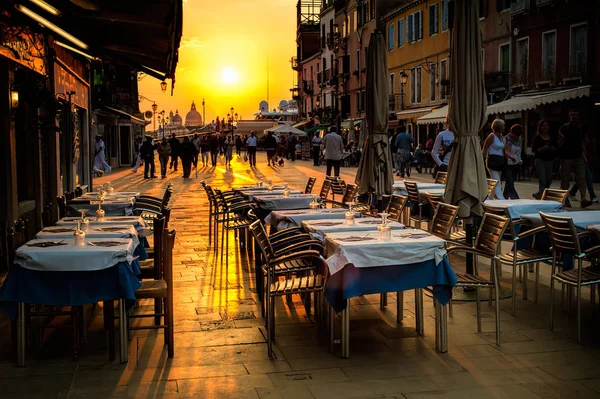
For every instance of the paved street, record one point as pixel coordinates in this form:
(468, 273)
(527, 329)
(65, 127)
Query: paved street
(220, 349)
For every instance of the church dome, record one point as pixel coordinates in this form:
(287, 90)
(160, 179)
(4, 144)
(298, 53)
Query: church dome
(176, 119)
(193, 118)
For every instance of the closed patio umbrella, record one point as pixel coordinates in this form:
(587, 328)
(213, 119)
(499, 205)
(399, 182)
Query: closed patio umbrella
(466, 186)
(375, 174)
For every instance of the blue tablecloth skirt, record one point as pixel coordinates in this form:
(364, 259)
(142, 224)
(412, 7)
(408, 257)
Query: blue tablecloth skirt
(353, 281)
(69, 287)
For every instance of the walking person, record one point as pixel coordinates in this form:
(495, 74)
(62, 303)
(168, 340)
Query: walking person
(238, 145)
(213, 147)
(512, 149)
(187, 152)
(544, 152)
(441, 151)
(571, 155)
(100, 165)
(334, 148)
(164, 150)
(270, 145)
(291, 146)
(394, 151)
(251, 143)
(404, 144)
(228, 150)
(174, 143)
(496, 160)
(138, 161)
(316, 145)
(147, 152)
(204, 150)
(588, 152)
(196, 142)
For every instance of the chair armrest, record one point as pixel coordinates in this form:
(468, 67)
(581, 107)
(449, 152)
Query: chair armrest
(586, 234)
(295, 256)
(530, 232)
(314, 245)
(148, 208)
(149, 197)
(332, 202)
(284, 242)
(465, 249)
(148, 201)
(281, 233)
(240, 206)
(590, 251)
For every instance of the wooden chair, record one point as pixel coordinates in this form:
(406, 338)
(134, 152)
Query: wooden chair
(555, 195)
(491, 185)
(565, 240)
(233, 217)
(396, 206)
(325, 189)
(161, 290)
(415, 201)
(150, 268)
(349, 194)
(442, 223)
(61, 202)
(338, 186)
(441, 177)
(310, 184)
(455, 235)
(487, 245)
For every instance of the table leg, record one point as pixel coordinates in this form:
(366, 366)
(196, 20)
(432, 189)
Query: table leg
(383, 300)
(331, 329)
(419, 311)
(109, 326)
(399, 306)
(346, 331)
(21, 336)
(438, 323)
(443, 328)
(123, 341)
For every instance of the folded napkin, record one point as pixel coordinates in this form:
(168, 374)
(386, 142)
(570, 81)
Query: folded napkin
(327, 224)
(413, 235)
(106, 243)
(56, 230)
(46, 244)
(355, 238)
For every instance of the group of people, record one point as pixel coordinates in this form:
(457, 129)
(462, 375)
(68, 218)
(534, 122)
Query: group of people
(171, 149)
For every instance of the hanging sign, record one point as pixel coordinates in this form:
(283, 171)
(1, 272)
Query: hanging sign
(21, 45)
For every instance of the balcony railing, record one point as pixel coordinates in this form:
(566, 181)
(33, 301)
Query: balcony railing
(519, 6)
(540, 3)
(546, 76)
(518, 79)
(496, 80)
(577, 71)
(395, 102)
(307, 86)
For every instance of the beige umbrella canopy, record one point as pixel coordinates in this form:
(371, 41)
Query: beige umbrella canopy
(375, 174)
(466, 185)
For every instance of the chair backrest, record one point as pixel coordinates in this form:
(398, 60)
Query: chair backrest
(211, 195)
(167, 197)
(490, 233)
(69, 195)
(169, 243)
(260, 235)
(78, 191)
(440, 177)
(350, 193)
(443, 220)
(48, 215)
(563, 233)
(61, 202)
(434, 199)
(310, 184)
(16, 237)
(159, 246)
(491, 185)
(413, 191)
(396, 206)
(166, 212)
(500, 211)
(338, 186)
(325, 189)
(555, 195)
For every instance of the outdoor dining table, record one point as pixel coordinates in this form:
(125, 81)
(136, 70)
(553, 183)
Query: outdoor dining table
(319, 229)
(360, 263)
(264, 187)
(581, 219)
(519, 207)
(400, 188)
(59, 273)
(112, 207)
(280, 220)
(138, 222)
(250, 194)
(94, 195)
(274, 202)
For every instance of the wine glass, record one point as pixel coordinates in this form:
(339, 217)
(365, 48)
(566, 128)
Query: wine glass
(384, 229)
(314, 205)
(79, 235)
(350, 215)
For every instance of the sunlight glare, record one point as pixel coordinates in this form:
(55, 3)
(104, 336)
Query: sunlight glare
(229, 75)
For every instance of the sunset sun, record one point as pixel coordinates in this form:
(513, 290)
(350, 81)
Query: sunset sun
(229, 75)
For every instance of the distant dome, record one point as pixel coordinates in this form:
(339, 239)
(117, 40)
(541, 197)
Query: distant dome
(193, 118)
(176, 119)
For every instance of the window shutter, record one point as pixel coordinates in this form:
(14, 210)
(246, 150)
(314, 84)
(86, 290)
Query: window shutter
(419, 25)
(436, 18)
(431, 30)
(409, 29)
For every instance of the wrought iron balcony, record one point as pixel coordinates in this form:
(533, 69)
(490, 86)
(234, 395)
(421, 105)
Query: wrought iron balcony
(307, 86)
(496, 80)
(546, 76)
(519, 79)
(395, 102)
(519, 6)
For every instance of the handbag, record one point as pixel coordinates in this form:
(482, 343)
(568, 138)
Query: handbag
(496, 162)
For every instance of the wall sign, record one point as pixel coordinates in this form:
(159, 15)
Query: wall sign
(65, 82)
(21, 45)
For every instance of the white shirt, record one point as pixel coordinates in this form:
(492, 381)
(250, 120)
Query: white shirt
(497, 146)
(316, 141)
(251, 142)
(99, 149)
(442, 141)
(513, 146)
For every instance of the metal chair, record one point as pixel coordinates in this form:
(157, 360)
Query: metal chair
(491, 185)
(338, 186)
(565, 240)
(453, 234)
(61, 202)
(555, 195)
(487, 245)
(441, 177)
(160, 290)
(349, 194)
(234, 217)
(325, 189)
(310, 184)
(415, 201)
(396, 206)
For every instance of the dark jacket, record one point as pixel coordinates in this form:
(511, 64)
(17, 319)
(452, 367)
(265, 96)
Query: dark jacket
(175, 145)
(270, 143)
(213, 144)
(147, 151)
(187, 151)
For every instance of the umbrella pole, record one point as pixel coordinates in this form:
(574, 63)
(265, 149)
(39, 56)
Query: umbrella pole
(469, 238)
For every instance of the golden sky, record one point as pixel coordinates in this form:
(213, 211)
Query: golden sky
(223, 57)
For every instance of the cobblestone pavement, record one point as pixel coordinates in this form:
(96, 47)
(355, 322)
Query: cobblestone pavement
(220, 349)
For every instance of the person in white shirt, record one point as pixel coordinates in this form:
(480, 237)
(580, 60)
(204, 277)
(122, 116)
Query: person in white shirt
(316, 144)
(251, 144)
(99, 161)
(442, 149)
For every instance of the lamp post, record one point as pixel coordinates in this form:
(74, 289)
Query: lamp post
(154, 108)
(403, 81)
(163, 86)
(203, 113)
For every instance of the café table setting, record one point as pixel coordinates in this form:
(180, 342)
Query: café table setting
(251, 194)
(287, 218)
(291, 201)
(399, 188)
(321, 228)
(519, 207)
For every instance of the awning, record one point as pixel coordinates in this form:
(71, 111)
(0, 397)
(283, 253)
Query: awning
(317, 128)
(134, 119)
(527, 102)
(437, 116)
(302, 124)
(351, 123)
(394, 123)
(284, 129)
(413, 113)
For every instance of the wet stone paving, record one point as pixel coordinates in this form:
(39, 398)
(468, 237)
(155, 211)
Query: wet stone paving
(220, 346)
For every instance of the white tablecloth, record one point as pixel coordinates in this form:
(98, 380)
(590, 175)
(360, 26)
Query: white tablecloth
(284, 219)
(250, 194)
(294, 201)
(401, 249)
(256, 188)
(117, 194)
(136, 221)
(519, 207)
(400, 189)
(581, 219)
(111, 208)
(319, 228)
(94, 231)
(73, 258)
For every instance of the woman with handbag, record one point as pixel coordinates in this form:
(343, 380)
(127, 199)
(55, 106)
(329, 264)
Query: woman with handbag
(496, 159)
(512, 150)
